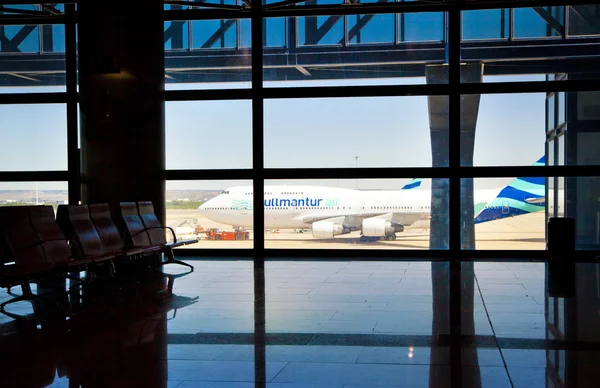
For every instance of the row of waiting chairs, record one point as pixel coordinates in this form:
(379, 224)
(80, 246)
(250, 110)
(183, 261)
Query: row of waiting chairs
(35, 246)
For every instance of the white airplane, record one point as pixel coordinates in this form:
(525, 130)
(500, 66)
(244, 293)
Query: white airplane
(332, 211)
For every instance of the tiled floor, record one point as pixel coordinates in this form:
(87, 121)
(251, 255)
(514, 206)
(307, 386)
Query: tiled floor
(328, 324)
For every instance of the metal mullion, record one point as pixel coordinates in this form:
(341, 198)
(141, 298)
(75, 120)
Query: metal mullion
(208, 95)
(33, 176)
(529, 87)
(453, 38)
(34, 98)
(231, 174)
(356, 173)
(204, 14)
(457, 172)
(394, 255)
(7, 20)
(534, 171)
(258, 128)
(405, 7)
(357, 91)
(73, 155)
(258, 195)
(29, 2)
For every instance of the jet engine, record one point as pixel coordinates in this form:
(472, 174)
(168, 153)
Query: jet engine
(379, 227)
(327, 229)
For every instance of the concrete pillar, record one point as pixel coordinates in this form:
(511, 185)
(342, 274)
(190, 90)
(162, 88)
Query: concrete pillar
(121, 78)
(439, 124)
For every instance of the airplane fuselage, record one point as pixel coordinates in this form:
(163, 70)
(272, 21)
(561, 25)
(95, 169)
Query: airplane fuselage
(301, 206)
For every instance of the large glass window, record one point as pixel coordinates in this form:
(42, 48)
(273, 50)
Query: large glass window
(507, 129)
(34, 137)
(355, 213)
(206, 135)
(33, 193)
(485, 24)
(208, 211)
(32, 58)
(536, 35)
(208, 54)
(508, 213)
(362, 49)
(351, 132)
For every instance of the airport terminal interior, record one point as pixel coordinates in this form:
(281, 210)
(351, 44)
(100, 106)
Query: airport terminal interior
(299, 194)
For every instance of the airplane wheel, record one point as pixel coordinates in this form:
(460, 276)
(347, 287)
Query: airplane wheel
(393, 237)
(239, 236)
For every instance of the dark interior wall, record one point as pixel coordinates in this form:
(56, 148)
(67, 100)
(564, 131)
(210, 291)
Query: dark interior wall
(121, 84)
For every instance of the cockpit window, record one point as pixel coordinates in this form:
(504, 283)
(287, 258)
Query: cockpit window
(225, 192)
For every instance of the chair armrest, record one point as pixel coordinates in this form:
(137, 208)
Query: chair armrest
(159, 227)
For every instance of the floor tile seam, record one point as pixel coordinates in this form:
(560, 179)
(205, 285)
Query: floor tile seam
(494, 333)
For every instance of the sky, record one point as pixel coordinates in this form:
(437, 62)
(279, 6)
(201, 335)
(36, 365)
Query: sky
(311, 133)
(324, 132)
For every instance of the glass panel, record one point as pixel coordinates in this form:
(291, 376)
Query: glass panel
(551, 181)
(324, 50)
(23, 67)
(274, 32)
(355, 213)
(583, 19)
(207, 34)
(550, 112)
(177, 35)
(562, 108)
(330, 132)
(537, 48)
(34, 137)
(195, 214)
(320, 30)
(485, 24)
(209, 134)
(211, 54)
(371, 28)
(369, 322)
(33, 193)
(418, 27)
(53, 38)
(20, 39)
(529, 23)
(496, 121)
(508, 213)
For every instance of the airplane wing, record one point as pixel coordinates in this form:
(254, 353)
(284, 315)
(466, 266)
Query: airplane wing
(355, 221)
(349, 221)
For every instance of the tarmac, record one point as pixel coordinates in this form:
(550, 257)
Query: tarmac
(518, 233)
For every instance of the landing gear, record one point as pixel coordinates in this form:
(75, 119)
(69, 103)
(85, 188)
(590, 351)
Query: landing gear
(391, 237)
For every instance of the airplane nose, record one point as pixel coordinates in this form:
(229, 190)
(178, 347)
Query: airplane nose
(202, 208)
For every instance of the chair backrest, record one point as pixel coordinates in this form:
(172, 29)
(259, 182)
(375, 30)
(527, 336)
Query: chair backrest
(22, 244)
(155, 230)
(130, 224)
(54, 243)
(105, 226)
(78, 227)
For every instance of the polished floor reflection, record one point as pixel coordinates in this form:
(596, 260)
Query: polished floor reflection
(327, 324)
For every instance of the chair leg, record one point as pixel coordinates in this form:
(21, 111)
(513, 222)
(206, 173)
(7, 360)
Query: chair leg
(171, 260)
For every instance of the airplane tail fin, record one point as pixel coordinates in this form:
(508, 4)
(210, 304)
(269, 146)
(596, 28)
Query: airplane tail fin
(413, 184)
(521, 196)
